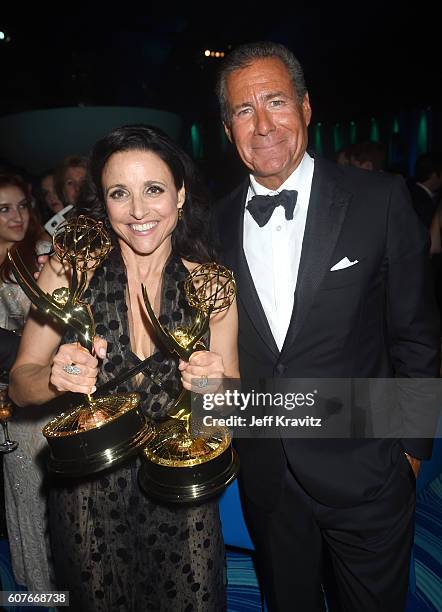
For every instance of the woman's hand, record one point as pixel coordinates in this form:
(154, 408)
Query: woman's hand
(41, 261)
(203, 372)
(82, 365)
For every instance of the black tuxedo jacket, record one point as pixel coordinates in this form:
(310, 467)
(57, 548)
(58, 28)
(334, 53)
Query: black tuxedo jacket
(376, 319)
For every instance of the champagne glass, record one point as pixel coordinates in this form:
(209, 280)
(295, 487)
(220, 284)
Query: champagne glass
(8, 445)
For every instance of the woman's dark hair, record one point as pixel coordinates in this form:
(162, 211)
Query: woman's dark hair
(25, 248)
(190, 237)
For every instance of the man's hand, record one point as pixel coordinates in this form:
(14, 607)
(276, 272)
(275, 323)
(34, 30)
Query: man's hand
(415, 464)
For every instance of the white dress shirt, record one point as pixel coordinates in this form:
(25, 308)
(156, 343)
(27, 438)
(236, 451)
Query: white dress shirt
(273, 252)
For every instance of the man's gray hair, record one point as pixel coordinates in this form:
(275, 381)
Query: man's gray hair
(244, 55)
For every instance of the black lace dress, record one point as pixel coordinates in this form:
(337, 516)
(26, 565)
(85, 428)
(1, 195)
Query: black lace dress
(114, 549)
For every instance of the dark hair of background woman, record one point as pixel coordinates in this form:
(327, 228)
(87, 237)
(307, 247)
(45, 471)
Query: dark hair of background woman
(26, 248)
(190, 239)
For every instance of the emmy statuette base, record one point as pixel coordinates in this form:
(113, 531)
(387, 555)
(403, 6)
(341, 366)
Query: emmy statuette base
(191, 484)
(79, 451)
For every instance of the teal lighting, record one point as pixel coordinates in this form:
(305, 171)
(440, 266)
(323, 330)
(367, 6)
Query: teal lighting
(374, 130)
(337, 139)
(353, 132)
(422, 133)
(197, 145)
(318, 139)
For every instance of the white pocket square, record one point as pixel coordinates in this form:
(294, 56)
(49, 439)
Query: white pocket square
(344, 263)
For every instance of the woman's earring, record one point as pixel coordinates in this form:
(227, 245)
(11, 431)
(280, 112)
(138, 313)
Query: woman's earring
(180, 214)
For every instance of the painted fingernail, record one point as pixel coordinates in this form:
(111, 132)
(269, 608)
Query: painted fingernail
(102, 352)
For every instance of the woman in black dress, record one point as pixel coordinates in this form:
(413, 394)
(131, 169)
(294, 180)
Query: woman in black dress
(114, 548)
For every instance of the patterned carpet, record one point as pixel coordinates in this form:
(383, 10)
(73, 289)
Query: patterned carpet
(428, 546)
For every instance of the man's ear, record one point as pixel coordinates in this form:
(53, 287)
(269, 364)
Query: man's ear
(306, 109)
(228, 131)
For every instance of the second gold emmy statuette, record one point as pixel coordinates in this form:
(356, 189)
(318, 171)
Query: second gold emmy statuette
(185, 462)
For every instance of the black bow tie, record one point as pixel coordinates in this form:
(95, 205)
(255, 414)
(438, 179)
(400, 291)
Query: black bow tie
(261, 207)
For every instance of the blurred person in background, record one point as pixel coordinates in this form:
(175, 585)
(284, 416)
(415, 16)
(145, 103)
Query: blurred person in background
(50, 203)
(69, 177)
(426, 186)
(25, 499)
(368, 155)
(343, 156)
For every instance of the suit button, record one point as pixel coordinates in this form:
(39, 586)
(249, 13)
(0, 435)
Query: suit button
(280, 369)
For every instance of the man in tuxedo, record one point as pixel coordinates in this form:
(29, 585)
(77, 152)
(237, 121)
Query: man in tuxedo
(332, 280)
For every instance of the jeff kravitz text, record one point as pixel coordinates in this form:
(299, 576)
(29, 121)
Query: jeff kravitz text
(269, 420)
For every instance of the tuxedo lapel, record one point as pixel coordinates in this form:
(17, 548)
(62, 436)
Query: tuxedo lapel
(326, 214)
(233, 225)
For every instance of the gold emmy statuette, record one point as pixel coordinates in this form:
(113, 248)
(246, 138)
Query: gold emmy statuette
(184, 463)
(103, 431)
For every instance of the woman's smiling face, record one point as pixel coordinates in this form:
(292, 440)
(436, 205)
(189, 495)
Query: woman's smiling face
(141, 199)
(14, 214)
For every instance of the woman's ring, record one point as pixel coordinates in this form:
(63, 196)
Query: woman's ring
(203, 381)
(72, 369)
